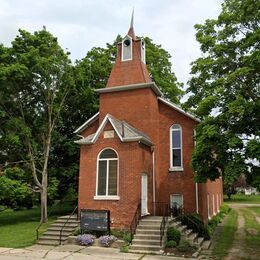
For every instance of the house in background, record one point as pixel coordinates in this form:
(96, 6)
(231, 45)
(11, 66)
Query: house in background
(136, 150)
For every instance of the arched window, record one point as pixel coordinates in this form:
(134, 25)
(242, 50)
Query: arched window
(107, 173)
(176, 147)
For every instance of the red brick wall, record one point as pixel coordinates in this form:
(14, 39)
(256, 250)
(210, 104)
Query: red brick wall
(133, 160)
(129, 72)
(175, 182)
(210, 188)
(140, 108)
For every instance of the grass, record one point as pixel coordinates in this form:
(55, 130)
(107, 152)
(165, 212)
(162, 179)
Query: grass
(252, 230)
(17, 228)
(256, 210)
(241, 198)
(224, 242)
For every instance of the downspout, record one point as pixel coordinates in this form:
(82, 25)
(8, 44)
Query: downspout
(154, 206)
(197, 198)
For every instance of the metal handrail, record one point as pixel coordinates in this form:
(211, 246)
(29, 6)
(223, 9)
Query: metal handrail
(49, 213)
(135, 221)
(164, 221)
(67, 222)
(179, 213)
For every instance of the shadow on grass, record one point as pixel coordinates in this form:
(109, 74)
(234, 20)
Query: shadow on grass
(11, 217)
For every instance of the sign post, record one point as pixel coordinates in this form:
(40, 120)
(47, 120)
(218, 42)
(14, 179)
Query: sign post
(95, 220)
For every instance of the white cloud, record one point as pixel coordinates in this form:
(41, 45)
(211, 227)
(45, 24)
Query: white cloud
(81, 25)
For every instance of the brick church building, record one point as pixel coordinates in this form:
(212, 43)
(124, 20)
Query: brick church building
(137, 149)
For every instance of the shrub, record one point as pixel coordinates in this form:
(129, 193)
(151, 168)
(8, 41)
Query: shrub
(184, 246)
(122, 234)
(171, 244)
(173, 234)
(107, 240)
(77, 231)
(86, 239)
(124, 249)
(224, 209)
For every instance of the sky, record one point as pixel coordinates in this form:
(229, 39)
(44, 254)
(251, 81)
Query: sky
(81, 25)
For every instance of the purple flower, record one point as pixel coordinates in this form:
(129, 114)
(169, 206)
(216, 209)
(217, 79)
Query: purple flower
(86, 239)
(107, 240)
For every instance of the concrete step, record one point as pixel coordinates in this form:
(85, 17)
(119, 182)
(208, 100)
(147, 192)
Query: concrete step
(193, 237)
(58, 224)
(57, 233)
(147, 232)
(65, 222)
(65, 229)
(152, 217)
(147, 237)
(146, 242)
(188, 232)
(153, 227)
(145, 248)
(176, 224)
(182, 228)
(150, 221)
(206, 244)
(48, 242)
(50, 237)
(200, 241)
(66, 217)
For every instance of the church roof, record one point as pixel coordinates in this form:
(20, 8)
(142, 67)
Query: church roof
(177, 108)
(130, 69)
(87, 123)
(125, 132)
(131, 31)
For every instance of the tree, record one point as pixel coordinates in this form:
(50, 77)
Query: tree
(224, 92)
(160, 68)
(35, 78)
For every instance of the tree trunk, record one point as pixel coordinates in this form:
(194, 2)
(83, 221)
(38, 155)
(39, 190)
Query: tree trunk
(44, 212)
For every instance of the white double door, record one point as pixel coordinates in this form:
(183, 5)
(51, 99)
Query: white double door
(144, 195)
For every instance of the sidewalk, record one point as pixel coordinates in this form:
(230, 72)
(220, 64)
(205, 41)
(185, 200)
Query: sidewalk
(74, 252)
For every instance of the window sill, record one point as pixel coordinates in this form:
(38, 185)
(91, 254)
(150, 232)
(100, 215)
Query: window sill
(106, 198)
(176, 169)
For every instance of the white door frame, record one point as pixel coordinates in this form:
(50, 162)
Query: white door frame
(144, 194)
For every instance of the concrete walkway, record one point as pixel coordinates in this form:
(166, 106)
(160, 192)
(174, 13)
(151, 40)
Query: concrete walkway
(74, 252)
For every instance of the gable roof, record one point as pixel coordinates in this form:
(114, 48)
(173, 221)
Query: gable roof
(125, 132)
(87, 123)
(177, 108)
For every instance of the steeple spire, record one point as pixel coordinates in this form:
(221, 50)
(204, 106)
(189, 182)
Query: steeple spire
(131, 29)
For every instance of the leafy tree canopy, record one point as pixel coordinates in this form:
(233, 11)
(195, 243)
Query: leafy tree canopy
(224, 92)
(35, 78)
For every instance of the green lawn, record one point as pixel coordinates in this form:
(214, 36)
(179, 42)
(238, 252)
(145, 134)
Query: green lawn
(224, 242)
(17, 228)
(241, 198)
(252, 230)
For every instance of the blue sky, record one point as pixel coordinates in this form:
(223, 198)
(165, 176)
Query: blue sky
(81, 25)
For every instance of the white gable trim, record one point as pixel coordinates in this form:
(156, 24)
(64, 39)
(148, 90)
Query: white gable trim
(87, 123)
(177, 108)
(109, 118)
(101, 128)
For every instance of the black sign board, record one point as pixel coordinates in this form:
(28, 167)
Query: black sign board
(95, 220)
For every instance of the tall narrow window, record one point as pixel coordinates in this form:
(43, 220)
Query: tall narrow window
(176, 147)
(127, 48)
(107, 173)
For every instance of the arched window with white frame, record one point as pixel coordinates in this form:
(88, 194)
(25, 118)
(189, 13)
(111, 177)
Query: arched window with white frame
(176, 148)
(107, 173)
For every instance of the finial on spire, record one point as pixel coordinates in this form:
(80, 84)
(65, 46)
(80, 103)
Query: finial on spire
(131, 29)
(132, 19)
